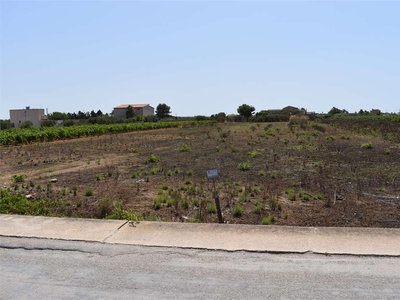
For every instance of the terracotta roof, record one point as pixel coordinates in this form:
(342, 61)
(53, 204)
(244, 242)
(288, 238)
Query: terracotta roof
(133, 105)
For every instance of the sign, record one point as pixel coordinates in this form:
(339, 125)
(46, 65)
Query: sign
(212, 174)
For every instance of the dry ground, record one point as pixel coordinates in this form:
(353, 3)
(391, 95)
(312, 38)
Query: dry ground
(301, 176)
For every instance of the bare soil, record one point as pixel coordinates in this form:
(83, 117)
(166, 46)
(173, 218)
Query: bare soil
(301, 176)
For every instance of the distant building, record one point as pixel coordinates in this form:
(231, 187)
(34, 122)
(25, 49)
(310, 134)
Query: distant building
(34, 115)
(288, 110)
(139, 109)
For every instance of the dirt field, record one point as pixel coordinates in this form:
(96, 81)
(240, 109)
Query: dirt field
(316, 175)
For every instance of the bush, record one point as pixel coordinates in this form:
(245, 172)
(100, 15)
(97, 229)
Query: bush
(154, 158)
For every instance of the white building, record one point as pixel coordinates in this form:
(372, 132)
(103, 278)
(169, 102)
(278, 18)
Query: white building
(20, 116)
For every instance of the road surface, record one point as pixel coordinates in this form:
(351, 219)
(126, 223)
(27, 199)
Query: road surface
(32, 268)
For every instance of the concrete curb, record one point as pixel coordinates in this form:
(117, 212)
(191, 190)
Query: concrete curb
(273, 239)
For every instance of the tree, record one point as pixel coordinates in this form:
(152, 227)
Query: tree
(163, 111)
(246, 111)
(130, 112)
(334, 110)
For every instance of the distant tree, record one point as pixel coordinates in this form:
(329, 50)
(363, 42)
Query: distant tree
(130, 113)
(334, 110)
(58, 116)
(47, 123)
(27, 124)
(99, 113)
(163, 111)
(361, 112)
(6, 124)
(246, 110)
(93, 114)
(220, 117)
(262, 113)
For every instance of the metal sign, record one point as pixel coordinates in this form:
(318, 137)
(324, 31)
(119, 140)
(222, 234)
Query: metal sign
(212, 174)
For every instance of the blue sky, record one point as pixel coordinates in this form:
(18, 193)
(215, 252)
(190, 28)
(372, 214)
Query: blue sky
(199, 57)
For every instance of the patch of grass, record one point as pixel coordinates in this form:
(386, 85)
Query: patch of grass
(330, 138)
(156, 170)
(258, 207)
(19, 178)
(88, 192)
(261, 173)
(238, 211)
(268, 220)
(189, 173)
(211, 208)
(291, 195)
(134, 150)
(234, 149)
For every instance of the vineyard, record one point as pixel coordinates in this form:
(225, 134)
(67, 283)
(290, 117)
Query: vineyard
(48, 134)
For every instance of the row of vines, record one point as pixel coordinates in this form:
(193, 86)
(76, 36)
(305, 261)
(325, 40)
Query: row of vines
(47, 134)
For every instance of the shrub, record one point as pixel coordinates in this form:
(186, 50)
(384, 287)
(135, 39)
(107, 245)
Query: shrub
(238, 211)
(190, 173)
(330, 138)
(234, 149)
(261, 173)
(268, 220)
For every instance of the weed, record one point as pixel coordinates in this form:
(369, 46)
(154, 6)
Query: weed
(387, 151)
(234, 149)
(185, 148)
(238, 211)
(154, 158)
(189, 173)
(258, 207)
(268, 220)
(244, 166)
(253, 154)
(88, 192)
(290, 194)
(261, 173)
(135, 150)
(211, 208)
(19, 178)
(330, 138)
(169, 173)
(367, 145)
(218, 148)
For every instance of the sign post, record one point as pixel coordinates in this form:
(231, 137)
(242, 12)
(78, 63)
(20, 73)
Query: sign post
(213, 175)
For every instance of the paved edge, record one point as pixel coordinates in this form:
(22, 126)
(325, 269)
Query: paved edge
(227, 237)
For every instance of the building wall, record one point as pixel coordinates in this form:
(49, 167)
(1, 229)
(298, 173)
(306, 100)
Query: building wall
(19, 116)
(120, 112)
(139, 111)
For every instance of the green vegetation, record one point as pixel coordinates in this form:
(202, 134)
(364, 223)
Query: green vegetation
(244, 166)
(32, 134)
(268, 220)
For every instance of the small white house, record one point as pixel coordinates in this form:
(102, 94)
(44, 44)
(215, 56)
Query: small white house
(20, 116)
(139, 109)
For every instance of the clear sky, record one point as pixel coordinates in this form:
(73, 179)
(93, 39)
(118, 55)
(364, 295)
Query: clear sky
(199, 57)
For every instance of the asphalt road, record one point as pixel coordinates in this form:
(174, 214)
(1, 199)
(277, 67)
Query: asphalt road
(32, 268)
